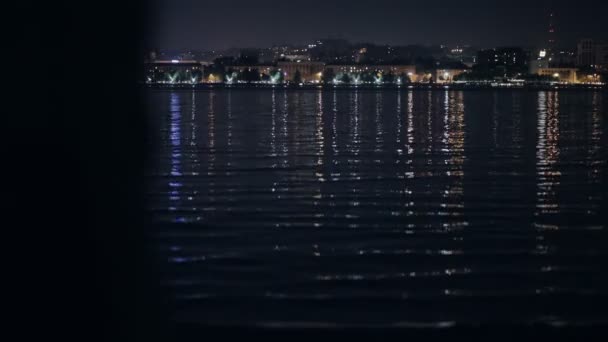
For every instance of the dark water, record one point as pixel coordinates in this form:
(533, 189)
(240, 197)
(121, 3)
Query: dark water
(389, 208)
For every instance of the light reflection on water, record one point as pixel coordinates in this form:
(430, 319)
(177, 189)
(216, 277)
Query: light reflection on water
(423, 206)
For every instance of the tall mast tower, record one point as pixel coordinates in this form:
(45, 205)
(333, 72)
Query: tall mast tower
(552, 32)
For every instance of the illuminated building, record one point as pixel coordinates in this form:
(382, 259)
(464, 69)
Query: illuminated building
(447, 75)
(563, 58)
(262, 69)
(464, 54)
(310, 72)
(174, 71)
(295, 58)
(537, 64)
(361, 68)
(567, 75)
(505, 61)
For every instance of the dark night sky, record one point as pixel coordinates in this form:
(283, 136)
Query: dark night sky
(241, 23)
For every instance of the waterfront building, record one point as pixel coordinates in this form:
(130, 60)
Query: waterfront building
(537, 64)
(358, 68)
(367, 73)
(174, 71)
(447, 75)
(262, 69)
(567, 75)
(310, 72)
(361, 68)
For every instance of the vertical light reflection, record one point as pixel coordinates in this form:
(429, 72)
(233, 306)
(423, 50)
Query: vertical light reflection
(284, 132)
(175, 139)
(456, 148)
(595, 161)
(335, 175)
(446, 118)
(194, 126)
(211, 134)
(446, 153)
(194, 153)
(409, 171)
(356, 127)
(273, 141)
(354, 160)
(399, 124)
(320, 153)
(334, 127)
(229, 132)
(273, 130)
(211, 152)
(410, 125)
(335, 171)
(453, 148)
(378, 121)
(194, 156)
(319, 137)
(429, 116)
(547, 154)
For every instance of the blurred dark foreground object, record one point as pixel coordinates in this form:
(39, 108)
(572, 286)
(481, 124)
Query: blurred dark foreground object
(80, 265)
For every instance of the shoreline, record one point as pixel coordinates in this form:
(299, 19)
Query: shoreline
(415, 86)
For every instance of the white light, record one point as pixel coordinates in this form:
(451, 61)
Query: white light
(174, 61)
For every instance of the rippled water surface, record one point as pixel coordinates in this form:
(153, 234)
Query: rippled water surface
(382, 208)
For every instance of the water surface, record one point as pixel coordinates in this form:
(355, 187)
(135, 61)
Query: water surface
(381, 208)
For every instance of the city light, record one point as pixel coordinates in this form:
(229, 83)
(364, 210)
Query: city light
(230, 78)
(378, 78)
(515, 64)
(274, 79)
(173, 78)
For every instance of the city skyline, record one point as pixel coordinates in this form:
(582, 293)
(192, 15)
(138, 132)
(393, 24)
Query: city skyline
(187, 24)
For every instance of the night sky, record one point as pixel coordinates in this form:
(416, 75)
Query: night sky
(207, 25)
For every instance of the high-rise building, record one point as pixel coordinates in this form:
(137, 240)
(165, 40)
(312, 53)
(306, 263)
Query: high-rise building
(593, 54)
(552, 41)
(505, 61)
(601, 56)
(586, 53)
